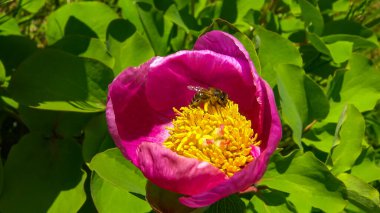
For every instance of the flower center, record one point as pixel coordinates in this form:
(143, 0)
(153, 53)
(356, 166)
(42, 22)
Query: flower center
(217, 134)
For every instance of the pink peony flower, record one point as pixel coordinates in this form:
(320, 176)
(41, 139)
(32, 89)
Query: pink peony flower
(172, 147)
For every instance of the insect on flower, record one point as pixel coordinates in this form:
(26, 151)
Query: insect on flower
(212, 95)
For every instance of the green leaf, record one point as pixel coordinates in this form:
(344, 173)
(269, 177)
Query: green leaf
(156, 27)
(2, 73)
(321, 136)
(86, 47)
(79, 18)
(32, 6)
(340, 51)
(312, 17)
(112, 166)
(14, 50)
(275, 50)
(302, 100)
(97, 139)
(360, 193)
(8, 25)
(55, 80)
(57, 123)
(358, 41)
(270, 201)
(348, 140)
(127, 46)
(150, 21)
(173, 15)
(43, 175)
(229, 204)
(359, 86)
(307, 180)
(366, 167)
(110, 198)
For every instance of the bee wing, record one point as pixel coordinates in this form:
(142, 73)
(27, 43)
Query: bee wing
(196, 88)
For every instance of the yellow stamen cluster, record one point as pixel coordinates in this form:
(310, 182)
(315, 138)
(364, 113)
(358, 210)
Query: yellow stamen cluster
(213, 133)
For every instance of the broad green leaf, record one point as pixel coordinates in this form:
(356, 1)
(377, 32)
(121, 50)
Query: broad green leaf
(341, 5)
(127, 46)
(302, 100)
(275, 50)
(2, 73)
(348, 140)
(55, 80)
(32, 6)
(366, 167)
(110, 198)
(86, 47)
(129, 11)
(294, 6)
(173, 15)
(359, 86)
(349, 27)
(321, 136)
(291, 24)
(229, 11)
(231, 203)
(340, 51)
(58, 123)
(270, 201)
(8, 25)
(358, 41)
(243, 6)
(150, 21)
(97, 139)
(307, 180)
(361, 194)
(312, 17)
(79, 18)
(112, 166)
(14, 50)
(318, 43)
(43, 175)
(156, 27)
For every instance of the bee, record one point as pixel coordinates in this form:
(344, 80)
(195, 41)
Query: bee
(212, 95)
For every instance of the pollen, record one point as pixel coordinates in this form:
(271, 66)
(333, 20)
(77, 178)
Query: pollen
(217, 134)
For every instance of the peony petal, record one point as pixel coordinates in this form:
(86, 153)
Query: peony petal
(253, 171)
(169, 78)
(226, 44)
(130, 118)
(179, 174)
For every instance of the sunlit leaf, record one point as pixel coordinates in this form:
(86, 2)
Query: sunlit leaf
(80, 18)
(348, 140)
(110, 198)
(44, 175)
(55, 80)
(112, 166)
(308, 182)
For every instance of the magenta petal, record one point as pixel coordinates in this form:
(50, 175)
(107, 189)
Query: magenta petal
(130, 118)
(177, 173)
(226, 44)
(169, 78)
(253, 171)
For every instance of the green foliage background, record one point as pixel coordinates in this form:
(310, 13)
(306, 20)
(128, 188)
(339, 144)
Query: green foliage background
(57, 58)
